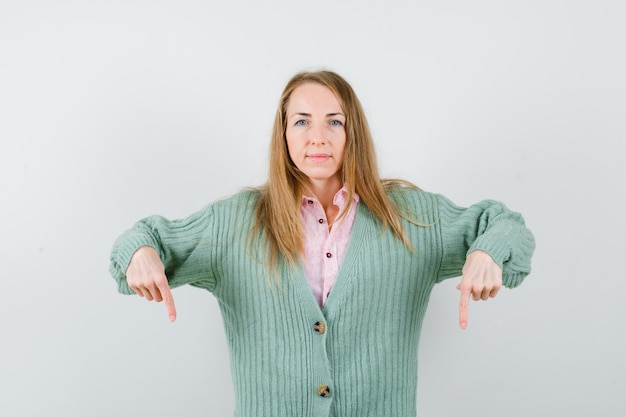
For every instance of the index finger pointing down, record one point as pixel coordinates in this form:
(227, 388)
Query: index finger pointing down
(168, 299)
(464, 307)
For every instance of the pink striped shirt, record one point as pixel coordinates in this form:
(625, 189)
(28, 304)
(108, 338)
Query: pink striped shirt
(323, 249)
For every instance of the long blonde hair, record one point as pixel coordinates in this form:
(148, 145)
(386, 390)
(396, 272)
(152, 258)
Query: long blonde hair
(277, 212)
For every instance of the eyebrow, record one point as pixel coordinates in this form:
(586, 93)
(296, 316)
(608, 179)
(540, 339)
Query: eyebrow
(309, 114)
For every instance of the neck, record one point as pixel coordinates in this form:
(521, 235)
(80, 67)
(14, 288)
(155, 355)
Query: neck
(325, 194)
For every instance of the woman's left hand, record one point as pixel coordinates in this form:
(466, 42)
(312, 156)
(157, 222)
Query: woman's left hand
(482, 279)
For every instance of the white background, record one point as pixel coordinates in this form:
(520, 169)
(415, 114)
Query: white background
(114, 110)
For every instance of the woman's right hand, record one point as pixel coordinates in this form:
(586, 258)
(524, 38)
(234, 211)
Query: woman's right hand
(146, 276)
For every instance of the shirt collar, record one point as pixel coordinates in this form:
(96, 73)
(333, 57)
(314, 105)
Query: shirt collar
(339, 199)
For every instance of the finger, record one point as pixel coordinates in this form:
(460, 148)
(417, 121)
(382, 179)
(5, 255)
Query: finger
(156, 294)
(485, 294)
(138, 290)
(171, 308)
(464, 306)
(167, 297)
(496, 288)
(153, 286)
(494, 292)
(150, 292)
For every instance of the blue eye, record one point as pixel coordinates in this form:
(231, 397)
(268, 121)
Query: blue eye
(336, 123)
(301, 122)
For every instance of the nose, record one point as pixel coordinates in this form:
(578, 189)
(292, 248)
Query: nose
(317, 134)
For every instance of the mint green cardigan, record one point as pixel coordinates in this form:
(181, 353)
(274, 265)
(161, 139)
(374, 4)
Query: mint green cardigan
(357, 356)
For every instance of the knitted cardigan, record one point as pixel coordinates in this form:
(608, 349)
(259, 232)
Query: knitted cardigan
(356, 356)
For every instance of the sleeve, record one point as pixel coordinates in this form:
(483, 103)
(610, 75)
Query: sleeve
(184, 246)
(488, 226)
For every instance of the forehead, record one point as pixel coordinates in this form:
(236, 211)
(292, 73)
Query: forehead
(313, 96)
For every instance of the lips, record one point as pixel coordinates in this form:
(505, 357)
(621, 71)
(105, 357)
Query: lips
(318, 157)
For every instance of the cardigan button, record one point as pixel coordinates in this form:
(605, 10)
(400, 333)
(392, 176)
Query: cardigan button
(319, 327)
(323, 391)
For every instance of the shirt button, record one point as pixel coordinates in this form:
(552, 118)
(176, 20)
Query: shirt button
(321, 221)
(319, 327)
(329, 255)
(323, 391)
(310, 201)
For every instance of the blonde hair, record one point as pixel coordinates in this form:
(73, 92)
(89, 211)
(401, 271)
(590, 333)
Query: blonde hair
(277, 212)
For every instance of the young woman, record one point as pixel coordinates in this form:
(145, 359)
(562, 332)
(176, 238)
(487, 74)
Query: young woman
(323, 274)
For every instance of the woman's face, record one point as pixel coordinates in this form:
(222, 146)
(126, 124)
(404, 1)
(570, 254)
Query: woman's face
(316, 135)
